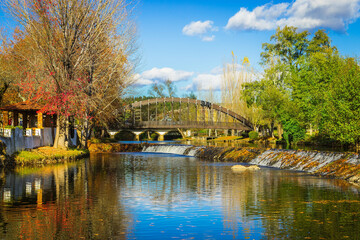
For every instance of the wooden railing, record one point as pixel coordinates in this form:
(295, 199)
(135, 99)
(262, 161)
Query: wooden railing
(186, 124)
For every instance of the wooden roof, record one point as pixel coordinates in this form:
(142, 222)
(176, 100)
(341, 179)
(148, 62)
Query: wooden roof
(23, 106)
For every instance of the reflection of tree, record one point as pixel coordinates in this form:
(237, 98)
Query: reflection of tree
(290, 207)
(88, 199)
(75, 205)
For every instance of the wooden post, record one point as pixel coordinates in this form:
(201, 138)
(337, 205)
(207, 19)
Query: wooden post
(219, 118)
(196, 110)
(164, 109)
(25, 120)
(140, 111)
(40, 120)
(149, 110)
(188, 111)
(156, 106)
(203, 110)
(5, 118)
(172, 110)
(16, 119)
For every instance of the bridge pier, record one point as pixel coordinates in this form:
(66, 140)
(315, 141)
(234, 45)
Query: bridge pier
(137, 134)
(161, 135)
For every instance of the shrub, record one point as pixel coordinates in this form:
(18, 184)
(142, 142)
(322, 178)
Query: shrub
(253, 135)
(95, 140)
(154, 136)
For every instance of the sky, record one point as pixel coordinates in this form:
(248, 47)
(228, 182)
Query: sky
(189, 41)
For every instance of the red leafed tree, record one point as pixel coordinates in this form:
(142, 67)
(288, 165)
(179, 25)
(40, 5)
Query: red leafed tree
(81, 58)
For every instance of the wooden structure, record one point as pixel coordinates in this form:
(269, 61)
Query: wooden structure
(173, 113)
(27, 115)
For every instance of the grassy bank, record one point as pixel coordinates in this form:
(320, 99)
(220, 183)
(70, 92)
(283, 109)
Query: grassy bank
(47, 155)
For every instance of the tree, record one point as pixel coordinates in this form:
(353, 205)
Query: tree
(341, 112)
(84, 49)
(7, 76)
(234, 78)
(288, 93)
(163, 90)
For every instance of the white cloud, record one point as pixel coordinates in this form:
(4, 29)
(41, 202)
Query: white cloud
(198, 28)
(206, 82)
(261, 18)
(201, 29)
(208, 38)
(138, 80)
(304, 14)
(161, 74)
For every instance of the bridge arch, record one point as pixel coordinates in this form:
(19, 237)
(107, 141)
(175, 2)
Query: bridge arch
(170, 113)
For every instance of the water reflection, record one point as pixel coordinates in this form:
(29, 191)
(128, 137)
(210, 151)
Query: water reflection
(153, 196)
(60, 202)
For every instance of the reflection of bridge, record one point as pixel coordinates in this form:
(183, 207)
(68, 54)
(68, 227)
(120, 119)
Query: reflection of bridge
(165, 114)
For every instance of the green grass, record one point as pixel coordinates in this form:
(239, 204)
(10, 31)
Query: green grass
(47, 155)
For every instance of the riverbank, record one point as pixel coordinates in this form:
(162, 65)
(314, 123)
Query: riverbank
(46, 155)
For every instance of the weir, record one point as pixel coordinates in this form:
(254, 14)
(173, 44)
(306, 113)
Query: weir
(186, 150)
(330, 164)
(309, 161)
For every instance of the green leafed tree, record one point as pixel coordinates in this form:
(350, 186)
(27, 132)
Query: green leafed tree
(290, 91)
(341, 112)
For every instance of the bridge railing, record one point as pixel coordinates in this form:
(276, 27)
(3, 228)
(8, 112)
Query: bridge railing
(188, 125)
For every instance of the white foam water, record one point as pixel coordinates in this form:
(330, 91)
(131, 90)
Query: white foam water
(186, 150)
(310, 161)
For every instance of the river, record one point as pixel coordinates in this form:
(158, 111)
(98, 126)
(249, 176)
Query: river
(165, 196)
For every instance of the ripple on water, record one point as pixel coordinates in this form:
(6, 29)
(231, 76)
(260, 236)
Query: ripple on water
(156, 196)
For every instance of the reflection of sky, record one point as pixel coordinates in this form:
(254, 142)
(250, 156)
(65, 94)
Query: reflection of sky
(186, 218)
(163, 196)
(164, 207)
(137, 142)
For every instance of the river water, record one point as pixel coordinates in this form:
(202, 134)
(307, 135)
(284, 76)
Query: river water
(164, 196)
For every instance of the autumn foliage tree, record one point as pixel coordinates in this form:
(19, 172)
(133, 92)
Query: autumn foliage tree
(7, 71)
(80, 59)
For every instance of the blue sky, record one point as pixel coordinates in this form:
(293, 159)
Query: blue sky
(192, 56)
(188, 41)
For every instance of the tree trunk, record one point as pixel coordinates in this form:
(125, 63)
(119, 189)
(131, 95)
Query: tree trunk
(61, 133)
(181, 132)
(84, 134)
(272, 129)
(280, 133)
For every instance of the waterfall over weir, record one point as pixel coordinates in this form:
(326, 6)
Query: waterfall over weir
(309, 161)
(186, 150)
(331, 164)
